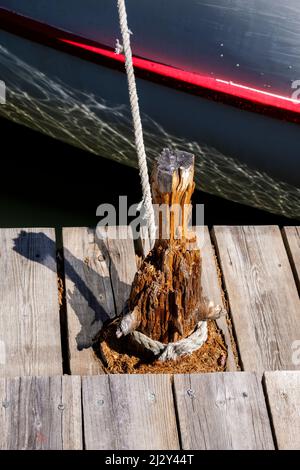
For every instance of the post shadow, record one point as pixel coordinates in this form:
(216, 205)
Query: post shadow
(39, 248)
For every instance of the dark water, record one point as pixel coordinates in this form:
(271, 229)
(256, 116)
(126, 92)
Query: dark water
(47, 183)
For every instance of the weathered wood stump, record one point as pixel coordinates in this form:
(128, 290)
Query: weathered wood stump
(166, 300)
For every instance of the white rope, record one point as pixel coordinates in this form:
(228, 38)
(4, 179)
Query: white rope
(166, 352)
(162, 351)
(137, 123)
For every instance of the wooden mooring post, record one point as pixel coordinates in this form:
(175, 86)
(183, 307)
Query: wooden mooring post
(166, 302)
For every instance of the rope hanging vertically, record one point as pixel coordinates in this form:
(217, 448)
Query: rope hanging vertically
(198, 337)
(137, 123)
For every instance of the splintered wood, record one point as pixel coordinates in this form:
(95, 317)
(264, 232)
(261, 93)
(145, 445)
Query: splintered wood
(166, 300)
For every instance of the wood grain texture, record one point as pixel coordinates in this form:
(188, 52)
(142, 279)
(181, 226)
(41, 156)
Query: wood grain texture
(98, 274)
(40, 413)
(262, 294)
(222, 411)
(291, 237)
(212, 288)
(283, 390)
(210, 282)
(166, 299)
(30, 342)
(129, 412)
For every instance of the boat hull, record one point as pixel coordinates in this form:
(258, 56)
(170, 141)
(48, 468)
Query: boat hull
(240, 155)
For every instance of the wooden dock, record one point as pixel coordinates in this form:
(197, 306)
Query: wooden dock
(54, 393)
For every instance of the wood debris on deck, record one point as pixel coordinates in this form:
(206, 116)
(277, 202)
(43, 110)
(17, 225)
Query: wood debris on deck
(255, 271)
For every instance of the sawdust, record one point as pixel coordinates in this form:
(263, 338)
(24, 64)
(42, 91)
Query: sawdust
(119, 357)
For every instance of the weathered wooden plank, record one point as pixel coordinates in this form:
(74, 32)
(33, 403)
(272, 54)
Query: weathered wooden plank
(263, 298)
(40, 413)
(145, 240)
(129, 412)
(291, 237)
(222, 411)
(212, 288)
(283, 389)
(210, 282)
(98, 275)
(30, 342)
